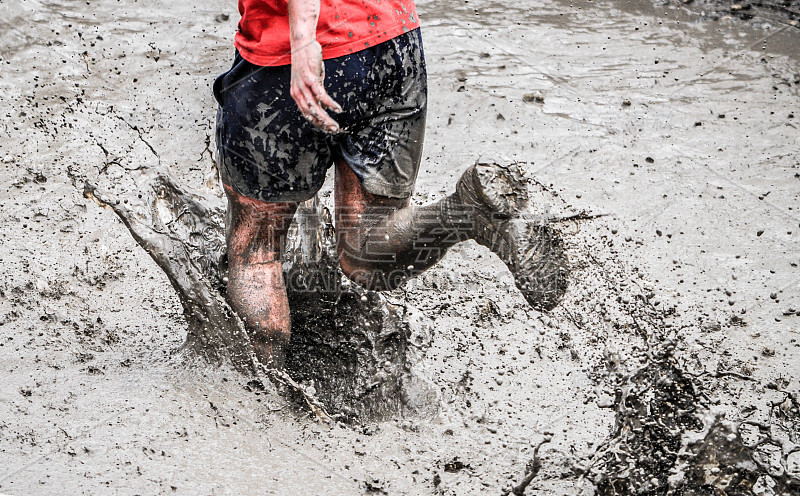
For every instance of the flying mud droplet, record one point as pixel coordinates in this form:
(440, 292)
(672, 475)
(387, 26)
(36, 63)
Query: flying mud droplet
(535, 97)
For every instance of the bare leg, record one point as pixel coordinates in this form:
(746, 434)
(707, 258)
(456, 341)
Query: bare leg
(256, 235)
(382, 241)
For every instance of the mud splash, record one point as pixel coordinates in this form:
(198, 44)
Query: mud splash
(347, 358)
(669, 437)
(348, 345)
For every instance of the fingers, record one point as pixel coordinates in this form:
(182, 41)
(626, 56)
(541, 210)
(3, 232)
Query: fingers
(317, 115)
(307, 90)
(312, 100)
(321, 95)
(324, 99)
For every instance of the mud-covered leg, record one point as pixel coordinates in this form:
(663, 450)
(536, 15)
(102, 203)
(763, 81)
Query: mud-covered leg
(256, 235)
(381, 241)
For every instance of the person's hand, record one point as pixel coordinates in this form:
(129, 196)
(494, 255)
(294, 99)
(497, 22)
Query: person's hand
(307, 88)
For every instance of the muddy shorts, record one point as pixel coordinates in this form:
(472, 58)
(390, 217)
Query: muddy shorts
(268, 151)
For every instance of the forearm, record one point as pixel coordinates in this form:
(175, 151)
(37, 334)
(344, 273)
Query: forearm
(308, 70)
(303, 17)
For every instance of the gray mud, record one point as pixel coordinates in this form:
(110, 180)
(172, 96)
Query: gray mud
(763, 14)
(684, 131)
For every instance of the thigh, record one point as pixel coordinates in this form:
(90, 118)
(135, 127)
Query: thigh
(383, 145)
(266, 149)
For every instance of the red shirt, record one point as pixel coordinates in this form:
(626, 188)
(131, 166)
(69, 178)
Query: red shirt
(345, 26)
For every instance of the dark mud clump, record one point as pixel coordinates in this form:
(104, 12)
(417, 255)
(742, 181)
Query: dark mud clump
(351, 348)
(668, 439)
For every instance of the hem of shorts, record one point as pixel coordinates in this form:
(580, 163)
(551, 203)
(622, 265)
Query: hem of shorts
(284, 197)
(330, 53)
(293, 197)
(379, 187)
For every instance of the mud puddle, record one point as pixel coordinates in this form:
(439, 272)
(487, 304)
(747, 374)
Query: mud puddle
(702, 160)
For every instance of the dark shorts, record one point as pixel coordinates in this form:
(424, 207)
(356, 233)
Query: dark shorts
(268, 151)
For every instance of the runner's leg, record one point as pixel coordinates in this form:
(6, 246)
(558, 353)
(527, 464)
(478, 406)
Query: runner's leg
(256, 233)
(382, 241)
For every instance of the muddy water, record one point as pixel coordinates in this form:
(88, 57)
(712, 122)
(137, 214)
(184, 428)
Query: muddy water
(94, 400)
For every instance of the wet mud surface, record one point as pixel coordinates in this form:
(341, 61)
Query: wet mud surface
(672, 362)
(767, 14)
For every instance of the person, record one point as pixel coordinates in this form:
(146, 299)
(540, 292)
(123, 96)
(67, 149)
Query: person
(316, 83)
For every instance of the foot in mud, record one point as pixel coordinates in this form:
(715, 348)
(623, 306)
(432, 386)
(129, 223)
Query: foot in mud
(531, 249)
